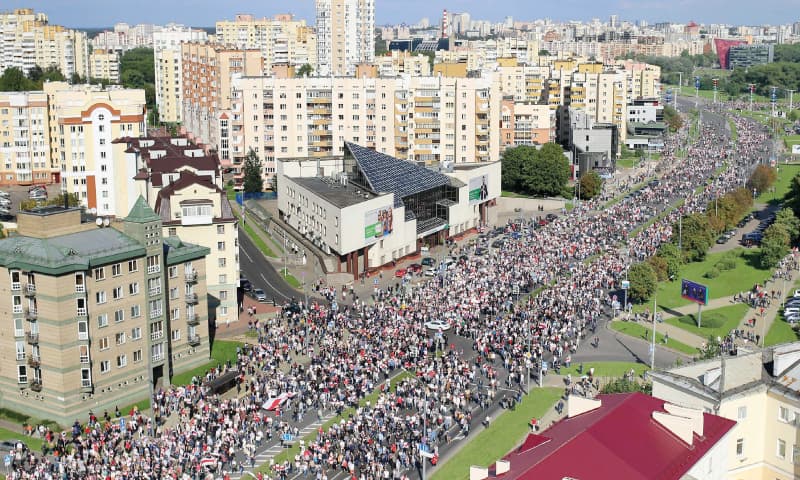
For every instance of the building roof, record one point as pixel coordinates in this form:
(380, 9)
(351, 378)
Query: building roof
(339, 195)
(185, 180)
(177, 251)
(386, 174)
(620, 439)
(141, 212)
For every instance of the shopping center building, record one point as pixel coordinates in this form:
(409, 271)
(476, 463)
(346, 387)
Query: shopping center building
(370, 209)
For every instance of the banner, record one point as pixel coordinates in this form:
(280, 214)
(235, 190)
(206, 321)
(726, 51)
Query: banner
(694, 292)
(796, 149)
(478, 189)
(378, 223)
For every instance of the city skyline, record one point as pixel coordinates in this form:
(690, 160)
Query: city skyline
(204, 13)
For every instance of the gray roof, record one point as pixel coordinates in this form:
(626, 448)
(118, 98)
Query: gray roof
(339, 195)
(177, 251)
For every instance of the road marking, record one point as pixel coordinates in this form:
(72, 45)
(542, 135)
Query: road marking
(273, 287)
(247, 255)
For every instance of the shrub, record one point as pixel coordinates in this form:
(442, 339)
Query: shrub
(713, 273)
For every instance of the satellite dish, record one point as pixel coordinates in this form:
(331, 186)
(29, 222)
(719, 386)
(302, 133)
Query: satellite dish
(93, 211)
(106, 222)
(98, 222)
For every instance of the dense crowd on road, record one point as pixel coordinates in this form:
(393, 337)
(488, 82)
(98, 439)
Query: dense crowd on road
(397, 386)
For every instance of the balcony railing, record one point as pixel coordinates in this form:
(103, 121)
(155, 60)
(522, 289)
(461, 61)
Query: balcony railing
(155, 291)
(30, 289)
(191, 277)
(157, 335)
(82, 312)
(36, 385)
(153, 269)
(80, 288)
(194, 339)
(30, 314)
(191, 298)
(192, 319)
(34, 362)
(158, 357)
(32, 338)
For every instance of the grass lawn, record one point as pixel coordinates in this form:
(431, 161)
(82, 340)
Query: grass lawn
(734, 133)
(221, 352)
(606, 369)
(785, 175)
(503, 434)
(506, 193)
(230, 192)
(634, 329)
(290, 279)
(790, 140)
(780, 332)
(257, 240)
(34, 443)
(717, 322)
(628, 162)
(740, 279)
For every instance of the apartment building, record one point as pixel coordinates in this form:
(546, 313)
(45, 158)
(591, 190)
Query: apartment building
(424, 119)
(758, 390)
(345, 35)
(25, 139)
(104, 64)
(525, 124)
(169, 68)
(183, 185)
(282, 40)
(207, 72)
(397, 63)
(83, 120)
(102, 312)
(125, 37)
(28, 40)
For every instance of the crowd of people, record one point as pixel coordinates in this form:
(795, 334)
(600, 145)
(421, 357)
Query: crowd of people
(399, 388)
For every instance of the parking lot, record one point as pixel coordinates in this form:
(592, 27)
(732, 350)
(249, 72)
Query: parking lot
(19, 194)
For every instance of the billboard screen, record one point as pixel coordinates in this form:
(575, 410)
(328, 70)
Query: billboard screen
(795, 149)
(694, 292)
(378, 223)
(478, 189)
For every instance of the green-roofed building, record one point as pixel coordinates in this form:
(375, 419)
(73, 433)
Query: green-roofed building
(101, 311)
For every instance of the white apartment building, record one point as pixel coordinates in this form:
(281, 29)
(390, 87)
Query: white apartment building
(104, 64)
(169, 68)
(25, 139)
(125, 37)
(282, 40)
(424, 119)
(345, 35)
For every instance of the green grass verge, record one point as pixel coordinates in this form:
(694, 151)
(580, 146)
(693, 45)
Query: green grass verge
(717, 322)
(230, 192)
(734, 132)
(141, 405)
(257, 239)
(636, 330)
(780, 332)
(785, 175)
(740, 279)
(790, 140)
(221, 352)
(628, 162)
(605, 369)
(289, 278)
(503, 434)
(34, 443)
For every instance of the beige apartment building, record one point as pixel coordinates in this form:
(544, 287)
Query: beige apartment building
(758, 390)
(282, 40)
(424, 119)
(27, 39)
(397, 63)
(104, 64)
(169, 68)
(525, 124)
(207, 72)
(83, 121)
(25, 139)
(345, 35)
(101, 312)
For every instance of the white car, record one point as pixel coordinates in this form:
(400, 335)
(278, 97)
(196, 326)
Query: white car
(797, 294)
(790, 310)
(438, 325)
(431, 272)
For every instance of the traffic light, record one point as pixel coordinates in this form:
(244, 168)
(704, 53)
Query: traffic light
(715, 82)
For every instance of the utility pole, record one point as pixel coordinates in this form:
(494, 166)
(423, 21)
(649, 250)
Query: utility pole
(791, 95)
(715, 82)
(680, 85)
(752, 91)
(653, 345)
(773, 99)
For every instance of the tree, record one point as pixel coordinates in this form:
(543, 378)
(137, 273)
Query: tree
(672, 256)
(591, 184)
(660, 266)
(35, 73)
(711, 350)
(672, 118)
(774, 246)
(696, 236)
(544, 53)
(548, 173)
(305, 71)
(13, 80)
(624, 385)
(512, 162)
(790, 222)
(792, 199)
(253, 179)
(762, 178)
(643, 281)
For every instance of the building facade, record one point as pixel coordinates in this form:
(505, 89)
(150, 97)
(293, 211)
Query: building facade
(104, 64)
(345, 35)
(101, 313)
(169, 68)
(282, 40)
(25, 139)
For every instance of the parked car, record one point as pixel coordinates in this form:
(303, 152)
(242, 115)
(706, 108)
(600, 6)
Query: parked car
(480, 251)
(438, 325)
(551, 216)
(722, 239)
(415, 268)
(431, 272)
(259, 295)
(428, 262)
(497, 244)
(424, 248)
(4, 194)
(245, 284)
(791, 310)
(400, 272)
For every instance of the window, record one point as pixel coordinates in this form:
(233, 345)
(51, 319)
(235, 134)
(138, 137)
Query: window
(17, 303)
(86, 377)
(223, 294)
(135, 311)
(153, 264)
(133, 288)
(116, 270)
(20, 346)
(221, 262)
(120, 338)
(22, 374)
(136, 333)
(154, 286)
(742, 412)
(740, 447)
(176, 335)
(133, 265)
(122, 360)
(221, 246)
(173, 293)
(172, 231)
(220, 229)
(175, 313)
(104, 343)
(197, 211)
(173, 271)
(100, 297)
(105, 366)
(116, 293)
(102, 320)
(119, 315)
(781, 453)
(83, 352)
(100, 273)
(137, 356)
(83, 330)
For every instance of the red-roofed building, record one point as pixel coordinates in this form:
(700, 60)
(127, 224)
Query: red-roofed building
(621, 436)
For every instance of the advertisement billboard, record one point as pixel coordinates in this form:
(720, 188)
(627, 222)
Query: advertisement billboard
(478, 189)
(694, 292)
(378, 223)
(795, 149)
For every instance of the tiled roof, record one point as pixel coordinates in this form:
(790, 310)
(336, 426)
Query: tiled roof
(141, 212)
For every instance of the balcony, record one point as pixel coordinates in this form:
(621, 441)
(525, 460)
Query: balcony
(30, 314)
(36, 385)
(191, 298)
(86, 386)
(158, 357)
(80, 288)
(194, 340)
(32, 338)
(191, 277)
(82, 312)
(192, 318)
(30, 289)
(34, 362)
(151, 269)
(157, 335)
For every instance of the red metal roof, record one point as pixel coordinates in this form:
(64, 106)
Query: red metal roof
(618, 440)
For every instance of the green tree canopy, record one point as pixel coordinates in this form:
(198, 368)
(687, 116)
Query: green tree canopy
(548, 172)
(774, 245)
(591, 184)
(13, 80)
(695, 236)
(762, 178)
(672, 118)
(305, 71)
(643, 281)
(253, 179)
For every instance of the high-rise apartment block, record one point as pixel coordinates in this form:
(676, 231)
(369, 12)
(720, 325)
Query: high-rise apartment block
(104, 64)
(345, 35)
(282, 40)
(169, 68)
(27, 40)
(25, 139)
(101, 312)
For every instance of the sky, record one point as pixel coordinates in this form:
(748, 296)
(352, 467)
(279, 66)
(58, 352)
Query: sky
(203, 13)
